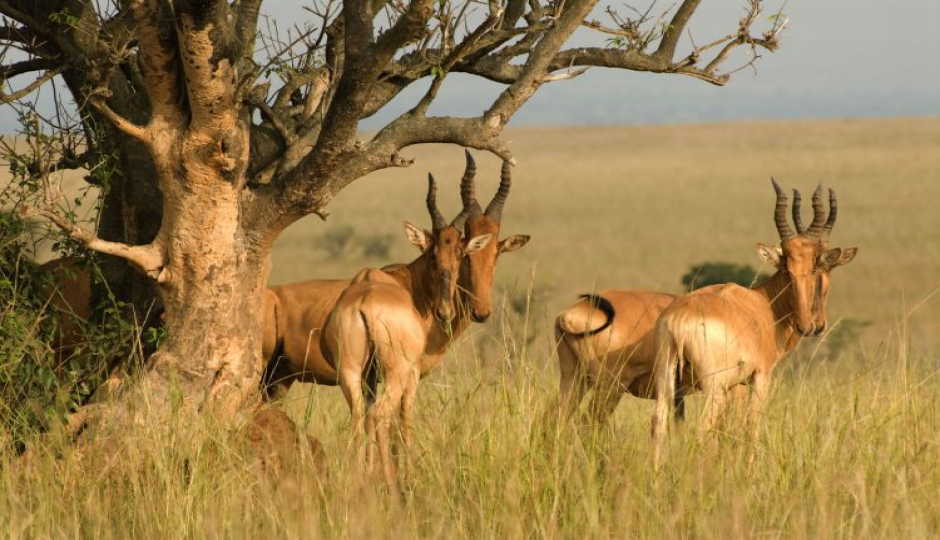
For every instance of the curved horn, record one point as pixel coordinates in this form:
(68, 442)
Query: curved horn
(468, 187)
(833, 212)
(437, 220)
(495, 208)
(819, 214)
(460, 220)
(780, 213)
(797, 217)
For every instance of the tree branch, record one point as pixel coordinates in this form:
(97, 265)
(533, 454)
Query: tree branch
(209, 61)
(158, 61)
(670, 39)
(538, 64)
(148, 259)
(246, 22)
(409, 27)
(25, 66)
(26, 90)
(141, 133)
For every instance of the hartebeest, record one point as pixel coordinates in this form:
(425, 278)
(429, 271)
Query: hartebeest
(68, 290)
(383, 321)
(605, 345)
(722, 336)
(296, 312)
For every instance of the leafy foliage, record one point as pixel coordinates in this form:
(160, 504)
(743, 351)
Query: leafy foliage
(37, 382)
(716, 273)
(844, 335)
(344, 241)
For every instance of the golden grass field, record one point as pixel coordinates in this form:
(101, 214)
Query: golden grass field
(849, 448)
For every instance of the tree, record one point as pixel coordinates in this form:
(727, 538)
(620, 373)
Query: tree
(210, 145)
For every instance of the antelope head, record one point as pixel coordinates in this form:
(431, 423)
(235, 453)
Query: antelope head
(805, 258)
(445, 247)
(481, 270)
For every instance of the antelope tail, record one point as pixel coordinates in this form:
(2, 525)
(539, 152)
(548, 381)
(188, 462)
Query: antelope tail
(271, 376)
(679, 397)
(574, 322)
(671, 361)
(371, 374)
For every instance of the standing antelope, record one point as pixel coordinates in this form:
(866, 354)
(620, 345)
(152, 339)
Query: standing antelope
(605, 345)
(721, 336)
(296, 312)
(384, 320)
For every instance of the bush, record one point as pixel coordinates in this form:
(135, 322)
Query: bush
(37, 383)
(716, 273)
(377, 246)
(337, 241)
(343, 241)
(844, 334)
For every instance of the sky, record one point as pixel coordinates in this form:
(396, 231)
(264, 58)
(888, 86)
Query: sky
(838, 59)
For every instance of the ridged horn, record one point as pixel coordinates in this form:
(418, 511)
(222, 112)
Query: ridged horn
(819, 214)
(797, 216)
(437, 220)
(833, 212)
(495, 208)
(460, 220)
(468, 187)
(780, 213)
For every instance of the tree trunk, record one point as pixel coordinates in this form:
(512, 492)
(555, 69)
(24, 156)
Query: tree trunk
(213, 280)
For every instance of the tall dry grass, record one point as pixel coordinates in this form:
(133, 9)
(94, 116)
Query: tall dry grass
(849, 447)
(847, 450)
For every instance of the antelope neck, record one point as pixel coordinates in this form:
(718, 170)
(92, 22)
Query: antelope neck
(774, 291)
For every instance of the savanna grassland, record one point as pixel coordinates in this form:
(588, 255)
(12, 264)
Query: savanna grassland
(849, 447)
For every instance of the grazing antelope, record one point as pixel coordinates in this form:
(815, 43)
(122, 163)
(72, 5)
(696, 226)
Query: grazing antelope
(384, 320)
(296, 312)
(722, 336)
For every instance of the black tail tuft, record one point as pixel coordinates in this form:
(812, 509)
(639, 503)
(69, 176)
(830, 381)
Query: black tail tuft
(272, 376)
(371, 390)
(604, 306)
(679, 397)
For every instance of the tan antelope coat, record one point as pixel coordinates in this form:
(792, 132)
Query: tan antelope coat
(722, 336)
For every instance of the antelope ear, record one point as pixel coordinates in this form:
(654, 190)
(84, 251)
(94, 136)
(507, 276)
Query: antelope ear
(770, 254)
(477, 243)
(837, 257)
(418, 237)
(513, 243)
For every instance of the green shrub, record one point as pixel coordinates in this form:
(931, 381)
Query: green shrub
(337, 241)
(377, 246)
(36, 383)
(716, 273)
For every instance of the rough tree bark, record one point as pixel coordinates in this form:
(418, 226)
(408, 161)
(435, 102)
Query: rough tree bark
(173, 91)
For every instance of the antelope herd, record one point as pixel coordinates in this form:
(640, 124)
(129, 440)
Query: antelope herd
(394, 325)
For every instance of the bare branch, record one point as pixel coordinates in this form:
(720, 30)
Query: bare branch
(28, 89)
(18, 34)
(25, 66)
(457, 54)
(667, 47)
(407, 29)
(148, 259)
(538, 64)
(246, 23)
(209, 64)
(127, 127)
(158, 62)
